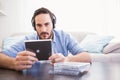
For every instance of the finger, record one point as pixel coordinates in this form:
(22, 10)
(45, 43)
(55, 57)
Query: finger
(59, 59)
(26, 53)
(26, 58)
(53, 56)
(26, 62)
(53, 61)
(22, 67)
(26, 66)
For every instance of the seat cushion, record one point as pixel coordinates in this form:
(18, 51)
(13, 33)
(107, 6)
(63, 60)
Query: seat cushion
(95, 43)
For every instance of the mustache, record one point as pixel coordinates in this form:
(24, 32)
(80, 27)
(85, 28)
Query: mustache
(44, 33)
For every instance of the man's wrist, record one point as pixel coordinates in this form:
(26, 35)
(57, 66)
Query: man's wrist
(69, 58)
(12, 65)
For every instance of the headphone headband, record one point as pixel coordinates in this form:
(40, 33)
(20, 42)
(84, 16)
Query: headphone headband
(43, 11)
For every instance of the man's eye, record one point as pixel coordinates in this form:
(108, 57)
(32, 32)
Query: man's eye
(39, 25)
(46, 24)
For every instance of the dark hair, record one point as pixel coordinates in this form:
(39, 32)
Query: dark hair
(43, 11)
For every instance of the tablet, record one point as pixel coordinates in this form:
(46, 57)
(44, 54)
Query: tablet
(42, 48)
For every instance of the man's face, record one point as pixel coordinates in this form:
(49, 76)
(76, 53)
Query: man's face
(44, 26)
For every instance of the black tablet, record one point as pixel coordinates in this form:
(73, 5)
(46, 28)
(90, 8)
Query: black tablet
(42, 48)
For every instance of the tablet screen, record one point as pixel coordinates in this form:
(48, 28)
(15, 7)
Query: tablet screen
(42, 48)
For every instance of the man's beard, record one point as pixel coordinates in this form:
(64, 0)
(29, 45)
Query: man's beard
(50, 37)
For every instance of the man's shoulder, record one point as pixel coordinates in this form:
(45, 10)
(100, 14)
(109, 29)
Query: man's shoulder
(60, 31)
(32, 35)
(61, 34)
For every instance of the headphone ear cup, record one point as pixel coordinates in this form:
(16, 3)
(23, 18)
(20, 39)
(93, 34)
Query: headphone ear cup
(33, 24)
(53, 23)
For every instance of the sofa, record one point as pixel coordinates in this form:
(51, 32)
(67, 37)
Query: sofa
(110, 46)
(103, 48)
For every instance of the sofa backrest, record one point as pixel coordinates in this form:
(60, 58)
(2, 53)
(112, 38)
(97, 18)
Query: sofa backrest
(80, 35)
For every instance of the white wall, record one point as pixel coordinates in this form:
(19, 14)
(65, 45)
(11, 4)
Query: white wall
(100, 16)
(81, 15)
(10, 22)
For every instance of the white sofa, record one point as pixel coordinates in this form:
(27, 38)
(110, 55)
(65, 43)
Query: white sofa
(109, 53)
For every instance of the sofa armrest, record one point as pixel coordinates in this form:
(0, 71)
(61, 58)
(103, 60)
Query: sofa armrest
(112, 47)
(112, 57)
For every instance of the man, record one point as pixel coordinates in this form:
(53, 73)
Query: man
(43, 21)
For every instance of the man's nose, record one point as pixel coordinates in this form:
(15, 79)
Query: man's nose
(44, 29)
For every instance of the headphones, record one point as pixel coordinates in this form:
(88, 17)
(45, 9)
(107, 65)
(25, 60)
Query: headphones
(44, 11)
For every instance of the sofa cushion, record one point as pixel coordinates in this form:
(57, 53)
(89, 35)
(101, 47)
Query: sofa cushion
(12, 39)
(113, 47)
(7, 42)
(95, 43)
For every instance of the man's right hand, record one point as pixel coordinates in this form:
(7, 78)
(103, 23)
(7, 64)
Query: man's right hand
(24, 60)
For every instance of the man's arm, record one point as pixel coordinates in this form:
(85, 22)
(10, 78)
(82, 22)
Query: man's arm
(23, 60)
(80, 57)
(6, 61)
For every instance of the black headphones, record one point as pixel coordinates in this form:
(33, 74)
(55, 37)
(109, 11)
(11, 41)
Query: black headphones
(44, 11)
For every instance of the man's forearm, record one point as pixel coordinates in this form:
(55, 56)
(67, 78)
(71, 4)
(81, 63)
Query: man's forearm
(6, 61)
(81, 57)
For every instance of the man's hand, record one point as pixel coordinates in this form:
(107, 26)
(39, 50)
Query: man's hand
(24, 60)
(80, 57)
(57, 58)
